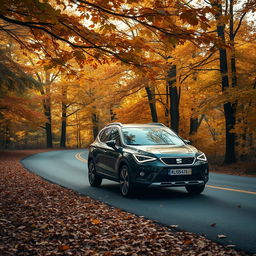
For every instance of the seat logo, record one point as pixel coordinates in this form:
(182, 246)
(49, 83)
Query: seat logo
(178, 160)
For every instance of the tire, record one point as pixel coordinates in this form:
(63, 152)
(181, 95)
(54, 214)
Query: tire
(94, 179)
(127, 188)
(195, 189)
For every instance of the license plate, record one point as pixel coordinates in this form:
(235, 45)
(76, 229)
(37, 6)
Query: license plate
(180, 172)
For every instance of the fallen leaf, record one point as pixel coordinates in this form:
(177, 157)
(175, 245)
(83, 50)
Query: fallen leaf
(95, 221)
(64, 247)
(213, 225)
(43, 226)
(187, 242)
(231, 246)
(21, 227)
(174, 226)
(221, 236)
(107, 253)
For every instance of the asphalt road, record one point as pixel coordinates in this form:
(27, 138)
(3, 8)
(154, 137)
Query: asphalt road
(227, 206)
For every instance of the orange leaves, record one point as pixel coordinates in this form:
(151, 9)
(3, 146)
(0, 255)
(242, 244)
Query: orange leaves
(194, 18)
(95, 221)
(80, 57)
(64, 247)
(17, 109)
(190, 17)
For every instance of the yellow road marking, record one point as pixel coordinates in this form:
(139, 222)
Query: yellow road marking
(78, 157)
(232, 189)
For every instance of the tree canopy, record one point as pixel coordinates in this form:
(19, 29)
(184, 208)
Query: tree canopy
(69, 67)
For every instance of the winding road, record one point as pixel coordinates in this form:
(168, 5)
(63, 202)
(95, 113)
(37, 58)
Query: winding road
(227, 206)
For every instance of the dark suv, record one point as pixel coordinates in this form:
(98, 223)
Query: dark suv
(142, 155)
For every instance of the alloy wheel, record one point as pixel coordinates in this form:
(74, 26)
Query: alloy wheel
(94, 179)
(124, 181)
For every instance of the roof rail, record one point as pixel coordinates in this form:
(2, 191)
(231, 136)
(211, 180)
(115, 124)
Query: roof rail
(115, 123)
(159, 124)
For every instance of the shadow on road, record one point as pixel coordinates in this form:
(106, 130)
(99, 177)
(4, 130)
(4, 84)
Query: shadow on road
(152, 194)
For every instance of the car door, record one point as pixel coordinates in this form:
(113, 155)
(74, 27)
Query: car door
(100, 156)
(113, 154)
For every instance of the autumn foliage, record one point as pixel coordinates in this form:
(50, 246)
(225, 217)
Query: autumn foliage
(69, 67)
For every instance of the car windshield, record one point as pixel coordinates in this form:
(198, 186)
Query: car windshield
(150, 136)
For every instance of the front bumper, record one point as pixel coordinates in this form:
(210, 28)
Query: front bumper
(177, 183)
(158, 176)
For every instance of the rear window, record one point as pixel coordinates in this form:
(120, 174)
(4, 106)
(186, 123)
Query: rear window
(150, 136)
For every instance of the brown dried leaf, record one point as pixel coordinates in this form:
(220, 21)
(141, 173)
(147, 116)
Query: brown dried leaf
(64, 247)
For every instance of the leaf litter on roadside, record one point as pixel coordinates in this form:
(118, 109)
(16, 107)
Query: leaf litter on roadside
(44, 219)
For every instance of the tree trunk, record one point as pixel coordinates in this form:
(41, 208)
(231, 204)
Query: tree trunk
(48, 124)
(47, 111)
(63, 117)
(193, 126)
(95, 124)
(230, 120)
(229, 108)
(48, 128)
(7, 137)
(174, 99)
(152, 104)
(112, 113)
(63, 126)
(167, 107)
(195, 123)
(78, 132)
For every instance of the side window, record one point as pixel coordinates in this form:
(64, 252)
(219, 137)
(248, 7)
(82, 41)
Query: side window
(104, 136)
(114, 135)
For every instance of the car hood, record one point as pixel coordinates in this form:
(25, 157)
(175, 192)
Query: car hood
(167, 150)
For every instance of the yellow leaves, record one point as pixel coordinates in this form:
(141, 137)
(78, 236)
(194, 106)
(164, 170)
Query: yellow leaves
(20, 134)
(108, 27)
(53, 63)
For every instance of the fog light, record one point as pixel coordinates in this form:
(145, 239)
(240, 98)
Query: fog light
(142, 174)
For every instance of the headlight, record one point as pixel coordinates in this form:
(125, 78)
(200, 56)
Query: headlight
(142, 159)
(202, 157)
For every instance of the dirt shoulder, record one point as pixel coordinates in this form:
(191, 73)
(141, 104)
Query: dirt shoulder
(247, 169)
(40, 218)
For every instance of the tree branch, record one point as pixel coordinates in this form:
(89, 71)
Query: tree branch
(33, 25)
(135, 18)
(239, 24)
(73, 112)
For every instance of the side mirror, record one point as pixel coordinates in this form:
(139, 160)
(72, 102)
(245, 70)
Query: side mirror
(187, 142)
(111, 143)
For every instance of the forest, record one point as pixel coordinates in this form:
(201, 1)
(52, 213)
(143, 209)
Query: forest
(69, 67)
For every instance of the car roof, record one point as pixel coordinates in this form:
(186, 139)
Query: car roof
(137, 125)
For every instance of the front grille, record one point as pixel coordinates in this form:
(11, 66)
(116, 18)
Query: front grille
(177, 160)
(198, 173)
(164, 177)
